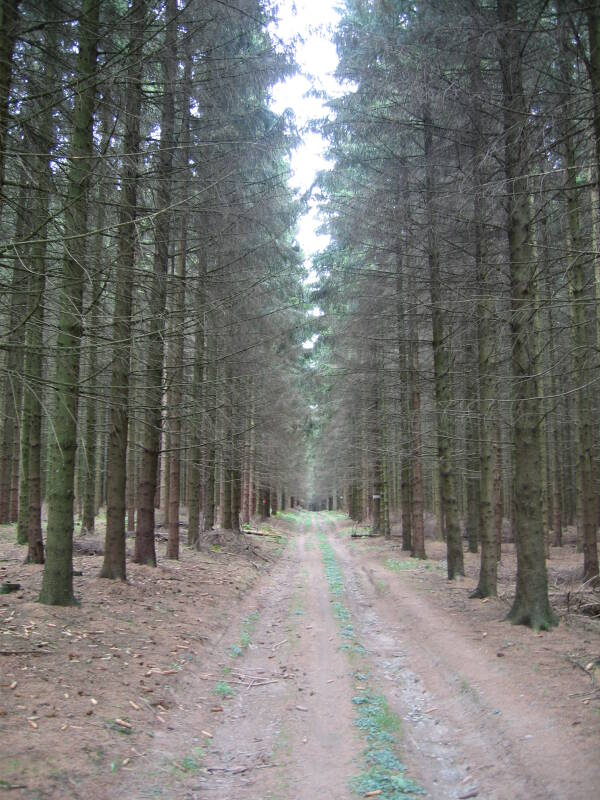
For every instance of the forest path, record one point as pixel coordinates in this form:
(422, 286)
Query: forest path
(331, 637)
(287, 731)
(484, 708)
(294, 736)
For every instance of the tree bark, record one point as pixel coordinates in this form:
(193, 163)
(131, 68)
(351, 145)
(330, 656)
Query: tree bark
(57, 581)
(210, 392)
(131, 455)
(441, 359)
(13, 392)
(417, 523)
(487, 585)
(377, 526)
(145, 550)
(531, 604)
(178, 319)
(578, 282)
(472, 476)
(9, 26)
(593, 18)
(199, 398)
(114, 563)
(90, 453)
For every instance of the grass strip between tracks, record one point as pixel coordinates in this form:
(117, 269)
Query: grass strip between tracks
(384, 774)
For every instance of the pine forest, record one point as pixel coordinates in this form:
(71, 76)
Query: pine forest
(236, 466)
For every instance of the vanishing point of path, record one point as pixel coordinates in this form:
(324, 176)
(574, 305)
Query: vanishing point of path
(326, 636)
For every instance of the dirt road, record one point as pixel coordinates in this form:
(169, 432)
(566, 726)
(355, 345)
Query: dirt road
(338, 655)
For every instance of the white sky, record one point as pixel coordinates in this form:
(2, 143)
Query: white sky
(311, 21)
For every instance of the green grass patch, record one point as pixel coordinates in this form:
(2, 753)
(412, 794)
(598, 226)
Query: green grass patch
(399, 566)
(248, 626)
(289, 516)
(360, 532)
(407, 564)
(223, 689)
(334, 514)
(354, 531)
(191, 763)
(384, 771)
(335, 582)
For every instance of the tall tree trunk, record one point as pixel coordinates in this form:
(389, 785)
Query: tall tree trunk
(487, 585)
(131, 454)
(553, 420)
(416, 458)
(593, 18)
(198, 429)
(251, 502)
(88, 518)
(114, 563)
(498, 493)
(226, 449)
(531, 605)
(376, 430)
(236, 475)
(16, 459)
(9, 27)
(210, 393)
(30, 488)
(13, 384)
(441, 360)
(472, 476)
(101, 450)
(178, 318)
(244, 502)
(416, 486)
(578, 283)
(145, 551)
(266, 502)
(175, 401)
(57, 582)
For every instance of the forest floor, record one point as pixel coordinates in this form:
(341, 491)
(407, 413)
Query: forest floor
(313, 665)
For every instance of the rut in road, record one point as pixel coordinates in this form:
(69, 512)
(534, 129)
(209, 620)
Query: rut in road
(329, 648)
(296, 736)
(288, 732)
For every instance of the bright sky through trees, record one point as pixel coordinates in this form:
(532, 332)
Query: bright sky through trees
(308, 24)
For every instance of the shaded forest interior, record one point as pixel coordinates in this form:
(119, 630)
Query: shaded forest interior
(168, 354)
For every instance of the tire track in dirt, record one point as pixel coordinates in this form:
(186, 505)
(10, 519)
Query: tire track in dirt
(469, 729)
(287, 733)
(300, 726)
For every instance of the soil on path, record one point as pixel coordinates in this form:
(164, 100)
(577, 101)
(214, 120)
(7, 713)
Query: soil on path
(487, 710)
(248, 694)
(491, 710)
(287, 731)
